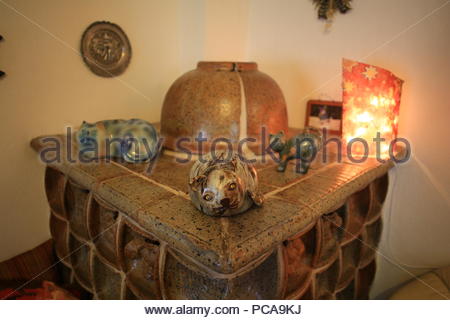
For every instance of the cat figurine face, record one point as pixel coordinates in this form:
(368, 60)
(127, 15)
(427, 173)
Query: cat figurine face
(222, 190)
(223, 187)
(87, 133)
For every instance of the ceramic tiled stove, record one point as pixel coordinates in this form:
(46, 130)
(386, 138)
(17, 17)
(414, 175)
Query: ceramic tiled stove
(123, 234)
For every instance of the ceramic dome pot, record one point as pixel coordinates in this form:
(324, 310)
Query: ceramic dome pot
(223, 100)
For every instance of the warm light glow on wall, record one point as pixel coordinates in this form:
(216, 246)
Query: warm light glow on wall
(371, 101)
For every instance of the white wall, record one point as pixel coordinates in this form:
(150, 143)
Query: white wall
(48, 87)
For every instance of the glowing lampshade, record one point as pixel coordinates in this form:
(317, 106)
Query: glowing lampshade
(371, 101)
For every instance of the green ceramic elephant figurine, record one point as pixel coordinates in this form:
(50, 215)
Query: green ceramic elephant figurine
(302, 147)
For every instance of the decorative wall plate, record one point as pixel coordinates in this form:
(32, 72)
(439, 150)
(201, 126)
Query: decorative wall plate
(105, 49)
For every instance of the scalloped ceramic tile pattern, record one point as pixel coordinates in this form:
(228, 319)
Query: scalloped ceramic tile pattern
(137, 236)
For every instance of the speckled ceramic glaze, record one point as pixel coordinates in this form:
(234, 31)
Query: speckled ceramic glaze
(210, 99)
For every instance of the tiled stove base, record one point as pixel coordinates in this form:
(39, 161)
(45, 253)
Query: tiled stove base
(124, 235)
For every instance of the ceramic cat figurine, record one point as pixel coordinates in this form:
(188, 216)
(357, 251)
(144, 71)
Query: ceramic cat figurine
(221, 187)
(302, 147)
(133, 140)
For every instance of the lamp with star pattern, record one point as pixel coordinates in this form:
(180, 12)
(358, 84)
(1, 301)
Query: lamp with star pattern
(371, 101)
